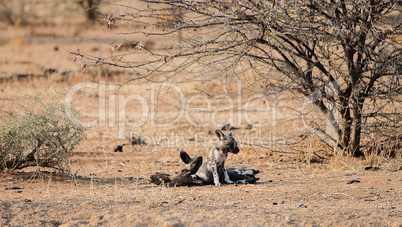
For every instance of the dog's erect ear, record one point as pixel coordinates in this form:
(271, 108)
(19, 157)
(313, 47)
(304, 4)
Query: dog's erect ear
(196, 164)
(219, 134)
(184, 157)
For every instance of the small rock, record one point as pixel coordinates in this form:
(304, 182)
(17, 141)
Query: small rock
(301, 205)
(275, 203)
(180, 201)
(50, 71)
(371, 168)
(119, 148)
(353, 181)
(12, 188)
(249, 126)
(27, 200)
(65, 73)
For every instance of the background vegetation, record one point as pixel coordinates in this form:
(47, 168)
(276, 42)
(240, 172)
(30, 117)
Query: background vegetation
(343, 56)
(39, 134)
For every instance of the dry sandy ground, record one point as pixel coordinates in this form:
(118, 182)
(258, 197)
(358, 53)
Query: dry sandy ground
(112, 190)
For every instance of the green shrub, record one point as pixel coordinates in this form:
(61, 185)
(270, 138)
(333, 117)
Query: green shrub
(37, 135)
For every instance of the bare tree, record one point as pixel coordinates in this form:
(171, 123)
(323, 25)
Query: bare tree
(306, 47)
(90, 8)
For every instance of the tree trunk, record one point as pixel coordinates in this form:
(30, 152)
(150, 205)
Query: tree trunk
(345, 125)
(354, 146)
(351, 126)
(91, 12)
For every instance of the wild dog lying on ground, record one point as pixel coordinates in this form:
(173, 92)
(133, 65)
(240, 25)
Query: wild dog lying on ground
(237, 175)
(214, 171)
(184, 178)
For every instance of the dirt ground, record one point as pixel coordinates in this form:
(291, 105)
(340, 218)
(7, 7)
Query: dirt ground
(112, 188)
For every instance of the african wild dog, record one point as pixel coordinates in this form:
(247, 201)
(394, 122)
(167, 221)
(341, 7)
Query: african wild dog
(184, 178)
(214, 171)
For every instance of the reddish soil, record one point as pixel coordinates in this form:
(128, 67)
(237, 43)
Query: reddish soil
(112, 189)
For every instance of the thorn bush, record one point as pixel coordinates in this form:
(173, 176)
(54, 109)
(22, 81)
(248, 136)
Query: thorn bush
(40, 135)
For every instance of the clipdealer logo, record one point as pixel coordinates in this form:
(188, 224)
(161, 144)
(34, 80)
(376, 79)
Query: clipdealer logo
(108, 104)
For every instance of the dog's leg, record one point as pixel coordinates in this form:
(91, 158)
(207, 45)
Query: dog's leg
(227, 179)
(241, 181)
(216, 175)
